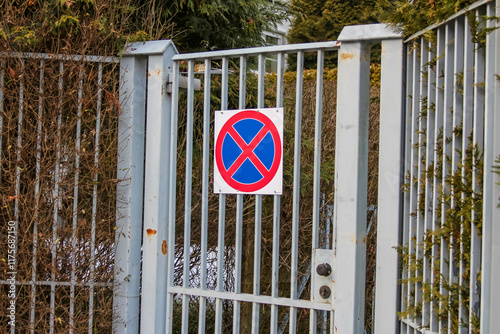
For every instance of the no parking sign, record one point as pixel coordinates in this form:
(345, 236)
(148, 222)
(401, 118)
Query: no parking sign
(248, 151)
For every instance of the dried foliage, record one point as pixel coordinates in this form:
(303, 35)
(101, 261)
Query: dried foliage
(96, 27)
(58, 147)
(104, 27)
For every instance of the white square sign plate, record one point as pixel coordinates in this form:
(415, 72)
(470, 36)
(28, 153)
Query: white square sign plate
(248, 153)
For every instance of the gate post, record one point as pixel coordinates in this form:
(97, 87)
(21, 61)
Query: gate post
(129, 192)
(490, 272)
(390, 181)
(351, 172)
(351, 177)
(145, 78)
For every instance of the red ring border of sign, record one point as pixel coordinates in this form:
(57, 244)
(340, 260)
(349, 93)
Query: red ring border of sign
(254, 188)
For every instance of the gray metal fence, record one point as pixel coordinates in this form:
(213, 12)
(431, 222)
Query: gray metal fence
(147, 235)
(230, 263)
(55, 113)
(451, 210)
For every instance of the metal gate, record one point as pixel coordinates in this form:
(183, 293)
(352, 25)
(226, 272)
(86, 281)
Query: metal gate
(231, 263)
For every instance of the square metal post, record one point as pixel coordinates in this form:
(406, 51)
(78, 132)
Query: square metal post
(351, 178)
(490, 274)
(130, 170)
(389, 187)
(150, 174)
(156, 185)
(351, 171)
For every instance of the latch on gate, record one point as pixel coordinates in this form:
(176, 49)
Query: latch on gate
(323, 280)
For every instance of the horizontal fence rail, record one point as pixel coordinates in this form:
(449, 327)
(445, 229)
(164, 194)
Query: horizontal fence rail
(58, 117)
(449, 104)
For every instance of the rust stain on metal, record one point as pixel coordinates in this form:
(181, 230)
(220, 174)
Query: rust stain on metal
(164, 247)
(158, 72)
(346, 56)
(364, 240)
(150, 232)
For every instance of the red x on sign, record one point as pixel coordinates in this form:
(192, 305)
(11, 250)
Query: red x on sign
(248, 150)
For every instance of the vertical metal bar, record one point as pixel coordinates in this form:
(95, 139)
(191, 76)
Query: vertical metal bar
(204, 192)
(457, 114)
(330, 219)
(75, 199)
(239, 212)
(172, 195)
(19, 144)
(406, 196)
(129, 194)
(313, 323)
(57, 200)
(445, 265)
(220, 262)
(436, 186)
(258, 209)
(468, 98)
(243, 77)
(276, 211)
(390, 181)
(187, 196)
(94, 197)
(414, 180)
(429, 163)
(260, 84)
(421, 124)
(256, 266)
(222, 213)
(37, 196)
(296, 189)
(329, 244)
(490, 275)
(224, 83)
(327, 231)
(477, 141)
(351, 178)
(17, 190)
